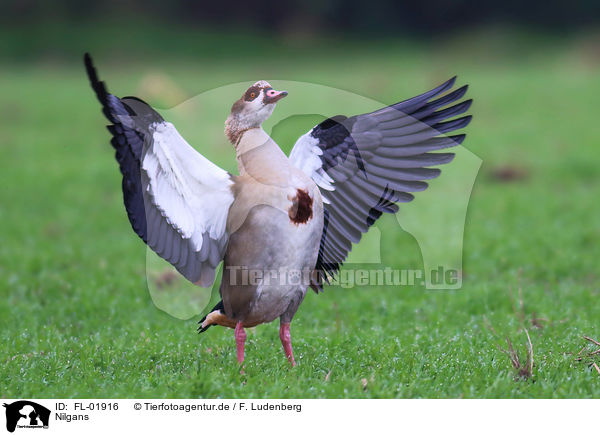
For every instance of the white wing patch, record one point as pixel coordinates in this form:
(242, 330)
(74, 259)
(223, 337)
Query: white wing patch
(192, 193)
(306, 156)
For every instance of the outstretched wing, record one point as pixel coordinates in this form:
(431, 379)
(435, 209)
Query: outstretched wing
(177, 201)
(366, 164)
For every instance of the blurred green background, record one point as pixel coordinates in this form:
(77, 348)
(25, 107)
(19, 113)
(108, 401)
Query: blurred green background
(76, 319)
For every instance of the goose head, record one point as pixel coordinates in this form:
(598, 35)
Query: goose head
(252, 109)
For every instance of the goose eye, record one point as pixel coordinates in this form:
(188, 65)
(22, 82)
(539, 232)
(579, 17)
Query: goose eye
(252, 94)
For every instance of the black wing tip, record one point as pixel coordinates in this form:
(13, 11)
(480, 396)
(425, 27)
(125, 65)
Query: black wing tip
(200, 328)
(458, 108)
(98, 86)
(452, 80)
(455, 124)
(459, 93)
(433, 173)
(87, 60)
(90, 69)
(448, 84)
(464, 121)
(448, 157)
(415, 103)
(458, 138)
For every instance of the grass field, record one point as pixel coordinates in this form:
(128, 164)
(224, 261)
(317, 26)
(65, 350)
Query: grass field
(76, 319)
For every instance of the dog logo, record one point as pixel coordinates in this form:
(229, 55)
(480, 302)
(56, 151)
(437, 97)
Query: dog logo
(26, 414)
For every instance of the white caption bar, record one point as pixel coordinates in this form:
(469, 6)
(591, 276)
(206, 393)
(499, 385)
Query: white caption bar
(203, 416)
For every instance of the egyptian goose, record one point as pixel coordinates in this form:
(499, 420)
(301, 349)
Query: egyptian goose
(284, 223)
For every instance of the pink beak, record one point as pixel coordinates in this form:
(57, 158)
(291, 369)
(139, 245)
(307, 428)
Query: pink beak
(272, 96)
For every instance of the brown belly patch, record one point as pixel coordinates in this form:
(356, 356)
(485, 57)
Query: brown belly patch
(301, 210)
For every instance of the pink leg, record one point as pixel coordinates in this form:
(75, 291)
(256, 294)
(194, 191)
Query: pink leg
(240, 339)
(286, 341)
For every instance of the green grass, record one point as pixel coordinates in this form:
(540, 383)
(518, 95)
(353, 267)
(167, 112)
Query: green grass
(76, 319)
